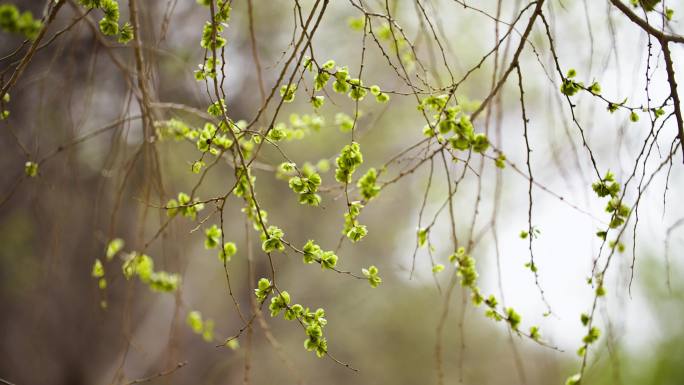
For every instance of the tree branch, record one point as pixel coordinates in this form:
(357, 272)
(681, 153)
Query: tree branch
(514, 61)
(673, 90)
(32, 50)
(660, 35)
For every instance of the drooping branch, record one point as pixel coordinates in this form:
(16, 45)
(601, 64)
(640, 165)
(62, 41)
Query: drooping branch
(658, 34)
(32, 50)
(664, 40)
(514, 61)
(667, 55)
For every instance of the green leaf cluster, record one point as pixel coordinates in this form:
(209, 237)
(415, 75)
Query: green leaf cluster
(31, 169)
(142, 266)
(208, 69)
(109, 24)
(452, 125)
(114, 247)
(228, 250)
(465, 268)
(212, 237)
(371, 274)
(211, 36)
(200, 326)
(367, 184)
(184, 206)
(273, 240)
(570, 87)
(352, 229)
(14, 21)
(306, 185)
(348, 161)
(314, 253)
(608, 187)
(263, 289)
(313, 321)
(288, 92)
